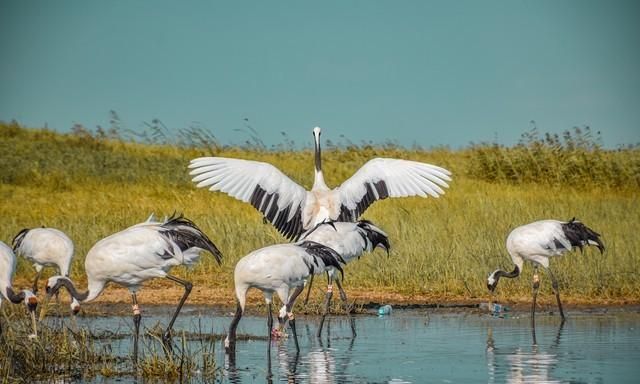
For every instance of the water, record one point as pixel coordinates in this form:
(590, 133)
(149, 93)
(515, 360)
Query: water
(418, 346)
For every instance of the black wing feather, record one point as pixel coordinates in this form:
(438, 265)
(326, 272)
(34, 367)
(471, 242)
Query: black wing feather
(17, 240)
(373, 191)
(185, 238)
(290, 229)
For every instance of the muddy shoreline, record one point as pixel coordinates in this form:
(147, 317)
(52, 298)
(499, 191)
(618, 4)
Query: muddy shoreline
(118, 300)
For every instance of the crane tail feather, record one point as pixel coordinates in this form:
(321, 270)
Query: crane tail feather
(579, 235)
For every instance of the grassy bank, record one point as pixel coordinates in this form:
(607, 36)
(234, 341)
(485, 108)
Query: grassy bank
(443, 248)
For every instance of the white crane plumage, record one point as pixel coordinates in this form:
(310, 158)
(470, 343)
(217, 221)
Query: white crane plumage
(284, 268)
(350, 241)
(281, 269)
(537, 242)
(294, 210)
(7, 269)
(46, 247)
(141, 252)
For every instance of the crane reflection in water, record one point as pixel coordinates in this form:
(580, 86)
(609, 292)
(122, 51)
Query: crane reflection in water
(519, 364)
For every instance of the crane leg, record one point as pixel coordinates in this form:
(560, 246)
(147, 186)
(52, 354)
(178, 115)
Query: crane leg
(536, 285)
(554, 284)
(136, 325)
(306, 299)
(166, 337)
(35, 282)
(230, 342)
(269, 329)
(347, 308)
(269, 372)
(533, 336)
(292, 320)
(327, 303)
(292, 324)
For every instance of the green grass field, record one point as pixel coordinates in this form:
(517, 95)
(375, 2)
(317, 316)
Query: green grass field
(90, 187)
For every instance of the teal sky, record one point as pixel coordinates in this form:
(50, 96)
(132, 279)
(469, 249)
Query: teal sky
(425, 72)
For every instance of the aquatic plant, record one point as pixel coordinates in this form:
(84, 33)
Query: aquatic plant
(62, 353)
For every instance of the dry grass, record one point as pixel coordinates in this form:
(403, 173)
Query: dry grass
(443, 248)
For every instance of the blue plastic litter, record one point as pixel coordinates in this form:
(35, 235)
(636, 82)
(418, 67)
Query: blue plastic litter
(385, 310)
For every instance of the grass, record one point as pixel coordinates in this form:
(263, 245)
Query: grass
(61, 354)
(574, 157)
(90, 186)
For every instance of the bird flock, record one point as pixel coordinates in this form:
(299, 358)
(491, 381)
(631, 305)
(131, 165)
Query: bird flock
(323, 224)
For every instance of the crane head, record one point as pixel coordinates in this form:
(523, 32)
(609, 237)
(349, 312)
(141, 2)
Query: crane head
(494, 277)
(283, 317)
(75, 306)
(492, 281)
(31, 301)
(52, 285)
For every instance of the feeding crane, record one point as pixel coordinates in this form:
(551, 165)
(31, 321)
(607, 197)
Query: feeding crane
(46, 247)
(349, 240)
(141, 252)
(7, 269)
(537, 242)
(284, 268)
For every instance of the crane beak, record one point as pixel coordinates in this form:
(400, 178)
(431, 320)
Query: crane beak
(34, 335)
(32, 304)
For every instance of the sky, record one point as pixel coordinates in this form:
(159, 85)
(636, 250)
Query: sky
(431, 73)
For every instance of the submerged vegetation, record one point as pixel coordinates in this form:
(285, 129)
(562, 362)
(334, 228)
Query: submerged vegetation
(64, 354)
(91, 184)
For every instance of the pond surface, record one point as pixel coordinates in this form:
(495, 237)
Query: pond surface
(415, 346)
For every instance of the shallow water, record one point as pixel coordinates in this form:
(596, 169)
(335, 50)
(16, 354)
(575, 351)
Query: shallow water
(415, 346)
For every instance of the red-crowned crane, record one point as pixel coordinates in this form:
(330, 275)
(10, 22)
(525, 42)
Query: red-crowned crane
(281, 269)
(7, 269)
(294, 210)
(284, 268)
(537, 242)
(46, 247)
(350, 241)
(141, 252)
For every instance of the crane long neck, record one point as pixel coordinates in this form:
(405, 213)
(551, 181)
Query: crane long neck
(80, 296)
(234, 323)
(15, 298)
(513, 274)
(318, 156)
(318, 182)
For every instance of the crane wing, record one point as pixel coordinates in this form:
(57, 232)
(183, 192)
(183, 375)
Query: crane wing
(380, 178)
(269, 190)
